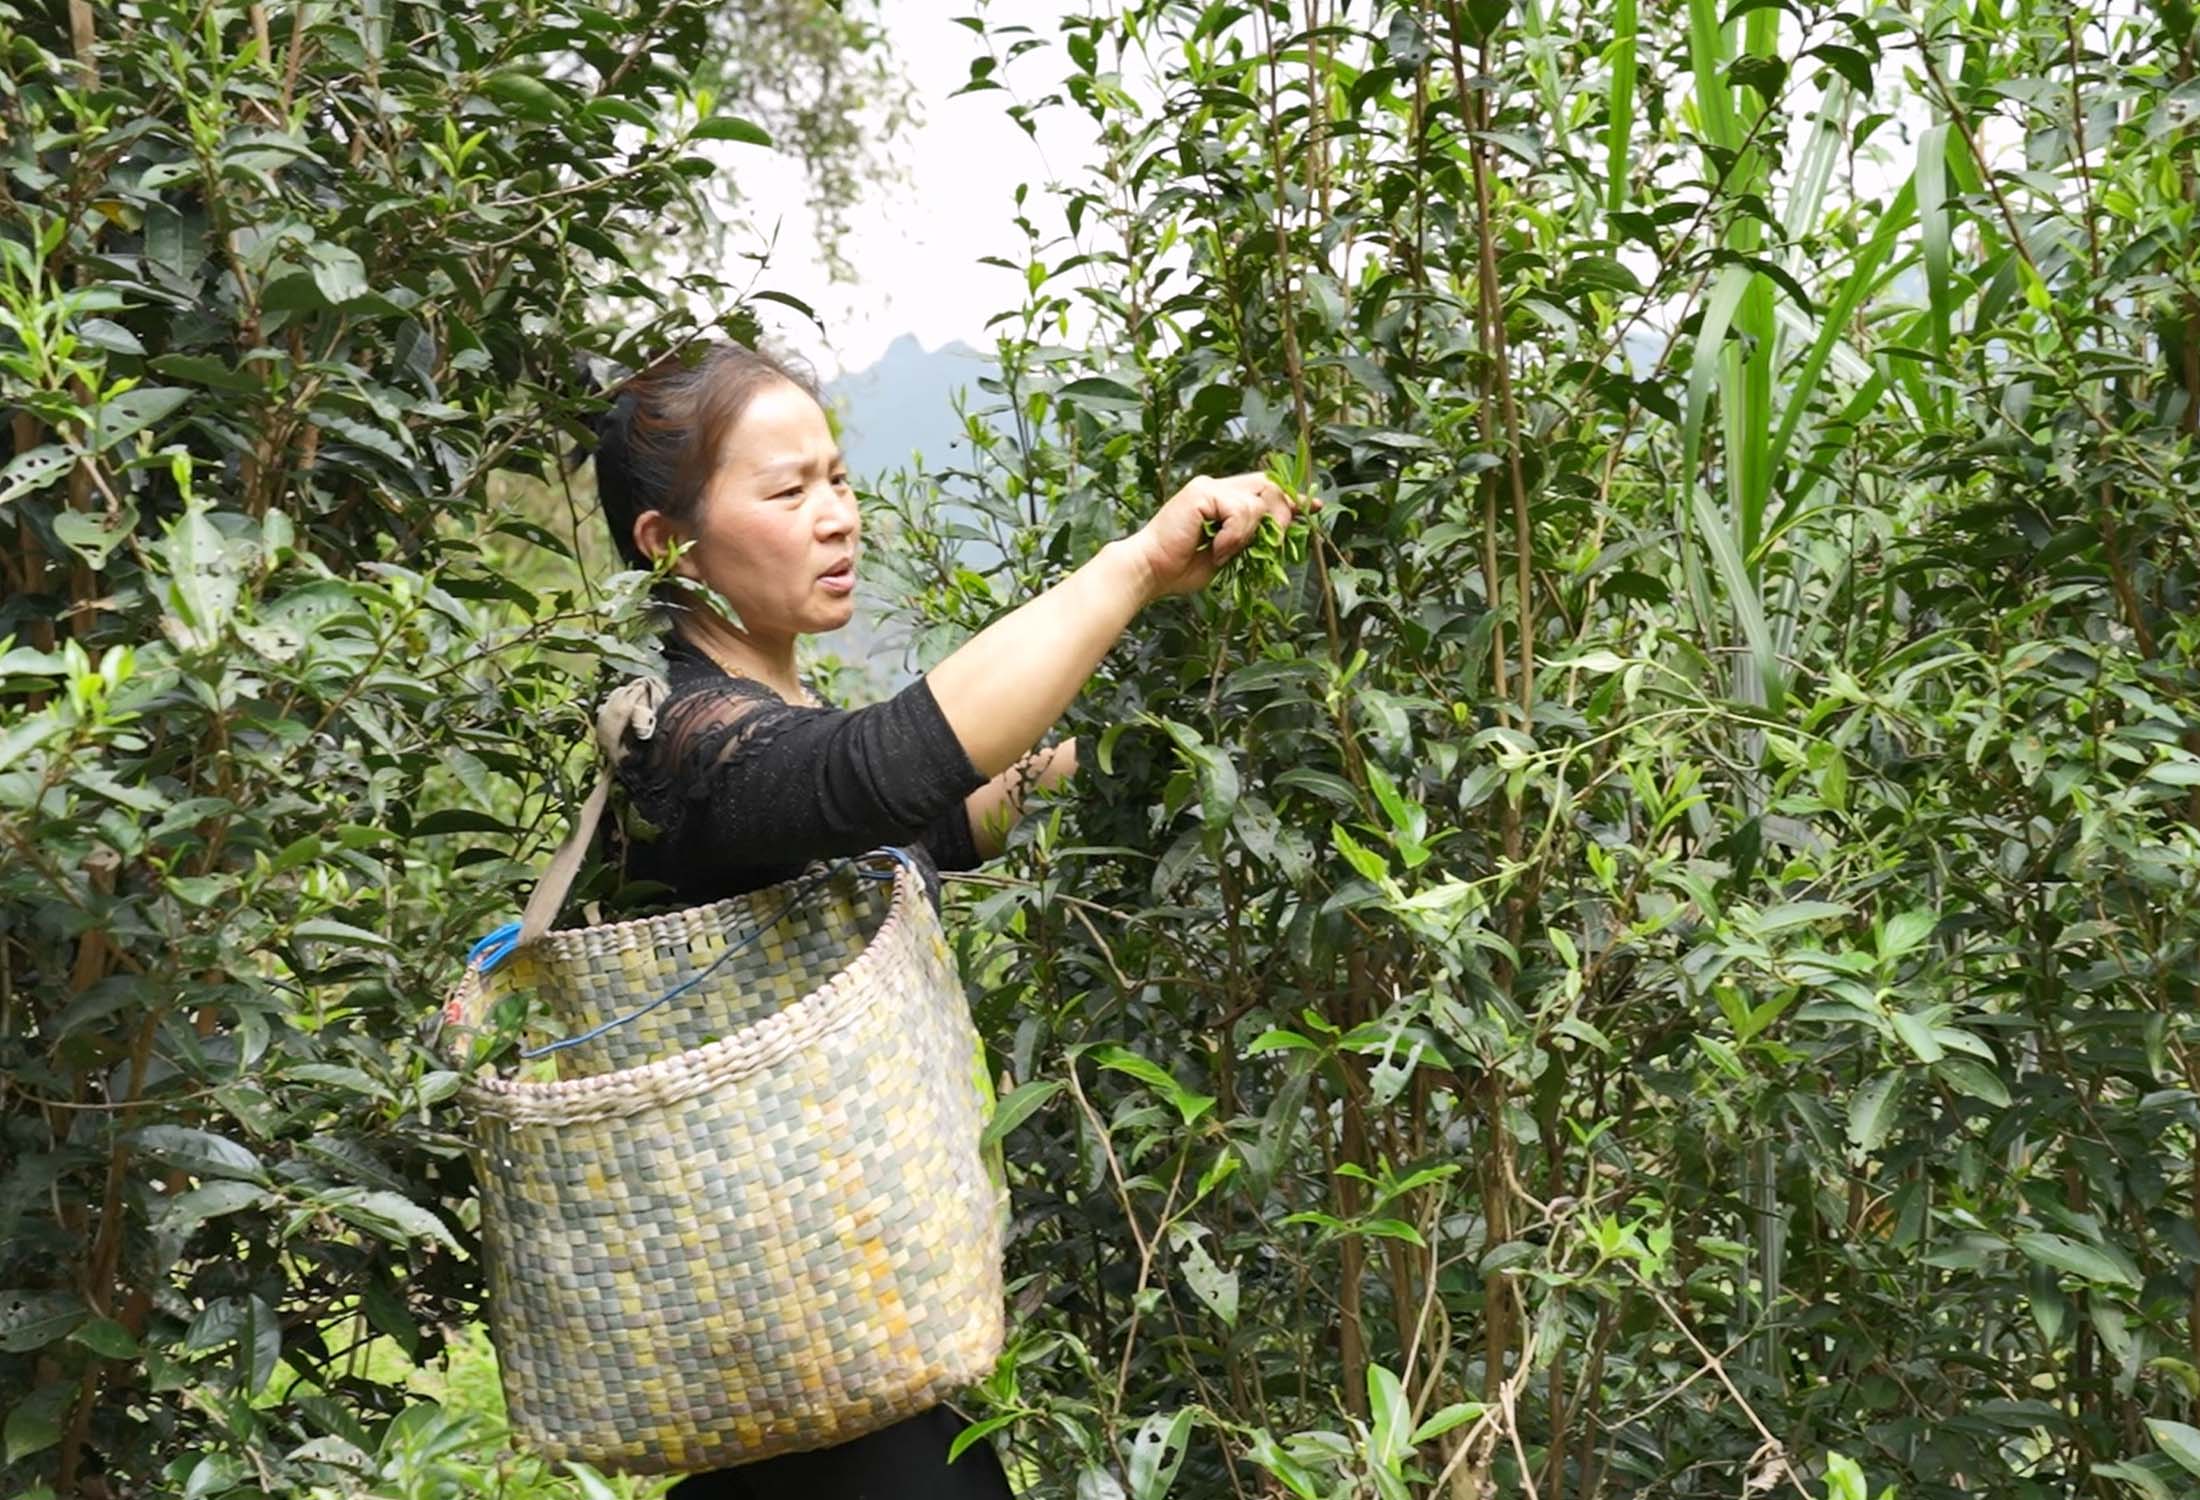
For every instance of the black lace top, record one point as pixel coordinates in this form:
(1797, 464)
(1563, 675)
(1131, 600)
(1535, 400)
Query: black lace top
(738, 788)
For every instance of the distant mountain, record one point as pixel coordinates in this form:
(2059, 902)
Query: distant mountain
(892, 414)
(902, 406)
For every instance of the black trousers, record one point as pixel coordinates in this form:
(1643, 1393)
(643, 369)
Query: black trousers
(907, 1461)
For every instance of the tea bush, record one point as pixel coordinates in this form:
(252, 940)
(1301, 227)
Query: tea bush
(1664, 964)
(303, 310)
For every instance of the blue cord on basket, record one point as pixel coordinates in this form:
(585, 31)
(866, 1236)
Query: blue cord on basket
(495, 947)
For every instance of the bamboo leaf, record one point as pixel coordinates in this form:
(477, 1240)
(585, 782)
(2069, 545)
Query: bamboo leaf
(1707, 59)
(1726, 561)
(1619, 105)
(1863, 279)
(1932, 216)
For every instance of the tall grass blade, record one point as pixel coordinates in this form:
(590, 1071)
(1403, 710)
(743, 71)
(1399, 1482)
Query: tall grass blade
(1862, 280)
(1620, 109)
(1762, 685)
(1932, 216)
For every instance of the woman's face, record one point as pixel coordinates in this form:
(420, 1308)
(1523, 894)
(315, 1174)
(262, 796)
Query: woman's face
(777, 527)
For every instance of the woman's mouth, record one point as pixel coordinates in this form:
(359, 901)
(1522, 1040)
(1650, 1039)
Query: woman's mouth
(840, 578)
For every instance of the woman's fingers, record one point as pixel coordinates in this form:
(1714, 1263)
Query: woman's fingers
(1261, 497)
(1275, 499)
(1242, 518)
(1212, 519)
(1261, 488)
(1216, 504)
(1255, 496)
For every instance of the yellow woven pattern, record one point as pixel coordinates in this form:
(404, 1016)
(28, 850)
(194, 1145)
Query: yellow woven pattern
(592, 969)
(779, 1240)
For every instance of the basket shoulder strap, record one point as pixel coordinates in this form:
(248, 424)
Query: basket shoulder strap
(631, 706)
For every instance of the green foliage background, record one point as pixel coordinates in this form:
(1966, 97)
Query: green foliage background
(1660, 962)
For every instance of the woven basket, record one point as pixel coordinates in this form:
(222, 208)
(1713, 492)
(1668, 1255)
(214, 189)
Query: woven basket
(761, 1223)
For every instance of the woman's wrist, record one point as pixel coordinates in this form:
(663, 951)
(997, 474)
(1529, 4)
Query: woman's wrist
(1125, 560)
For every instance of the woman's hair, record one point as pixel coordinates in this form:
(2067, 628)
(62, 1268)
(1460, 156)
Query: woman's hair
(667, 428)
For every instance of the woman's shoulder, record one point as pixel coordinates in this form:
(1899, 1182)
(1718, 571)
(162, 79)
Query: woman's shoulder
(689, 669)
(704, 718)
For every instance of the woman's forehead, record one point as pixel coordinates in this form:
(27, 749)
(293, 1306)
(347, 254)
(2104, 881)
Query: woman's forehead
(781, 428)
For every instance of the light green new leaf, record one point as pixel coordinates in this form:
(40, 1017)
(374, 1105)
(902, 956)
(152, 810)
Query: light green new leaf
(1390, 1413)
(1844, 1479)
(1446, 1418)
(1019, 1105)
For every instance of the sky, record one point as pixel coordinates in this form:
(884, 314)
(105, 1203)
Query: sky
(918, 242)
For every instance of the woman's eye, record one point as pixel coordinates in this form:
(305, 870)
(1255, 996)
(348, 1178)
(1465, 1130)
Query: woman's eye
(840, 479)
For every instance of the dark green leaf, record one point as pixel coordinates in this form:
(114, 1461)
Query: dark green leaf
(31, 1320)
(199, 1152)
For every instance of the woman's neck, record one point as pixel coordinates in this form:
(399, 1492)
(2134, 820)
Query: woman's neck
(768, 661)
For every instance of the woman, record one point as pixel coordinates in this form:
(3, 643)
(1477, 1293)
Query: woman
(748, 776)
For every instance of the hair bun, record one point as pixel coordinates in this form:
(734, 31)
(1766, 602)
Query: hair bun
(619, 415)
(614, 419)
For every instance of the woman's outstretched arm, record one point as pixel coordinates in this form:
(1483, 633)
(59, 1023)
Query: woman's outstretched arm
(1004, 687)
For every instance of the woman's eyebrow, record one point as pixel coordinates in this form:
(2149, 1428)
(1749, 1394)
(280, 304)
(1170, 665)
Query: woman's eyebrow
(781, 465)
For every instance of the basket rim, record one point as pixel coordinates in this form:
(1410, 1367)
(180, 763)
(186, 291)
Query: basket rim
(822, 1011)
(560, 939)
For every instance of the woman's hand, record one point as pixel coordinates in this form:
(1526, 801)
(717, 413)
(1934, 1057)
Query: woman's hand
(1178, 557)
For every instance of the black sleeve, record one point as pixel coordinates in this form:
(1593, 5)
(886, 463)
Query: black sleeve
(746, 779)
(950, 842)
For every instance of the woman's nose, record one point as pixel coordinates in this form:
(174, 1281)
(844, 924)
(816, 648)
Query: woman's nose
(839, 514)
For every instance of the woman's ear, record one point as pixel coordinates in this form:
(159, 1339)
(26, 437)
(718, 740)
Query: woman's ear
(654, 534)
